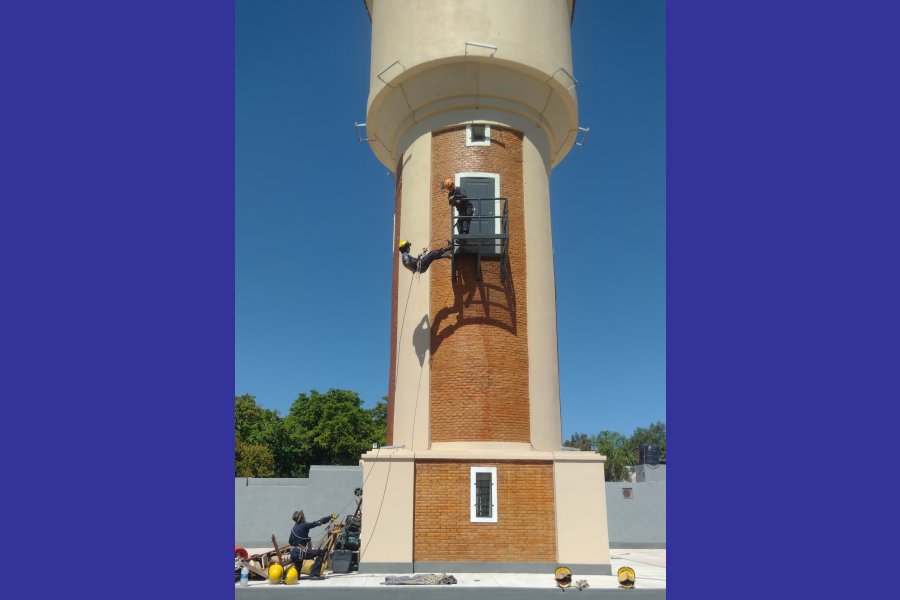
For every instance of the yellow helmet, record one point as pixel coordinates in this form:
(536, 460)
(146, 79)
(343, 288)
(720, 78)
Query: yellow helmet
(290, 578)
(404, 244)
(275, 573)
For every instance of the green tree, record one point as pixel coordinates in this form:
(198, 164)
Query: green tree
(579, 440)
(262, 427)
(654, 434)
(379, 420)
(250, 420)
(252, 460)
(331, 428)
(613, 445)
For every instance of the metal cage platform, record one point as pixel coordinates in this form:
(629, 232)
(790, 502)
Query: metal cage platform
(487, 237)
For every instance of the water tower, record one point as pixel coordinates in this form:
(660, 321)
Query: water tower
(474, 477)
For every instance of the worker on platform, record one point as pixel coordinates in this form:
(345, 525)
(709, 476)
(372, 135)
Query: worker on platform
(458, 200)
(301, 544)
(420, 263)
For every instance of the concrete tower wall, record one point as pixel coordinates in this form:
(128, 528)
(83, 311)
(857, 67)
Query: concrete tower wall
(543, 357)
(408, 396)
(430, 68)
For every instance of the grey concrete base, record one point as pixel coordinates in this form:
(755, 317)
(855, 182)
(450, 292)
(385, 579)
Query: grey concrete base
(427, 592)
(652, 545)
(385, 567)
(480, 567)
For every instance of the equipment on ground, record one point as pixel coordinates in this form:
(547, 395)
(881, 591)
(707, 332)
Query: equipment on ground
(626, 577)
(275, 573)
(290, 578)
(563, 577)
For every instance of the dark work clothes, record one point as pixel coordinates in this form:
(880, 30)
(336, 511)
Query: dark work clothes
(463, 205)
(422, 262)
(300, 538)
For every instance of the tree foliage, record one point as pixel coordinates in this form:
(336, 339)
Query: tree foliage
(581, 441)
(621, 452)
(252, 460)
(331, 428)
(654, 434)
(322, 429)
(334, 429)
(379, 417)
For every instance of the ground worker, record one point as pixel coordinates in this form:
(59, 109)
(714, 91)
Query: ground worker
(457, 199)
(420, 264)
(301, 544)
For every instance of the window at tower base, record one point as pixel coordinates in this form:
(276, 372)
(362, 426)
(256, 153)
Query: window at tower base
(483, 499)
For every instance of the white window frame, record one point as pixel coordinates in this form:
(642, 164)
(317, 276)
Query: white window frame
(487, 135)
(496, 177)
(473, 471)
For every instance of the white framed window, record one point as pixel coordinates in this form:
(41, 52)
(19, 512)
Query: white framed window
(483, 494)
(478, 134)
(477, 184)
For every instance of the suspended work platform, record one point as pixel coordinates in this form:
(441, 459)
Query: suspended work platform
(487, 237)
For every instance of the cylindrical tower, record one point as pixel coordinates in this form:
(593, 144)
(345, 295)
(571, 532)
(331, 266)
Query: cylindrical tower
(475, 478)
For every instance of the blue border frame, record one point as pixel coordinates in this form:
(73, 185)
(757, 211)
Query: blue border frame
(118, 278)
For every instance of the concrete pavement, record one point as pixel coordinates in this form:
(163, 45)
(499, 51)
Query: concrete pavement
(649, 566)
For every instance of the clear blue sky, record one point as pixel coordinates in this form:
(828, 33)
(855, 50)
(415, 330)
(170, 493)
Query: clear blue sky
(314, 211)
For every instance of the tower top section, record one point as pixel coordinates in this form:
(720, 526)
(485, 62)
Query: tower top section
(436, 64)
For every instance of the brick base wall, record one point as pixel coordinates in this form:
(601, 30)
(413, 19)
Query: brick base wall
(525, 530)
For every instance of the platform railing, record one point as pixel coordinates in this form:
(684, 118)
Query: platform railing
(488, 234)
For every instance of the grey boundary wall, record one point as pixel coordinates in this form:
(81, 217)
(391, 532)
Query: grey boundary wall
(264, 506)
(638, 522)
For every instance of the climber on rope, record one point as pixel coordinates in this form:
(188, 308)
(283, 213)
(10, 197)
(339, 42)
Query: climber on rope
(458, 200)
(420, 263)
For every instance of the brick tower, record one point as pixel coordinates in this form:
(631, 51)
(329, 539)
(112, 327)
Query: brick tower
(474, 477)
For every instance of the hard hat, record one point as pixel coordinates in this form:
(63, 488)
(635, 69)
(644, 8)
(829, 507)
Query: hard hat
(446, 183)
(404, 244)
(563, 576)
(290, 578)
(626, 577)
(275, 573)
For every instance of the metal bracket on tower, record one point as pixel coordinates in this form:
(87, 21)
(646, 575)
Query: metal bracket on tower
(569, 75)
(584, 130)
(490, 47)
(360, 138)
(388, 68)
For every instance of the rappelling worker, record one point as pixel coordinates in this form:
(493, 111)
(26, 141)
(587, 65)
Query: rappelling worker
(301, 543)
(457, 199)
(420, 263)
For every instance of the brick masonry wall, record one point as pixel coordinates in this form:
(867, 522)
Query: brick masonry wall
(392, 378)
(525, 530)
(479, 343)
